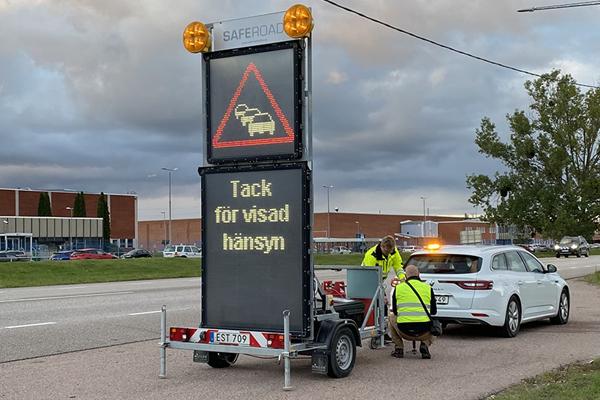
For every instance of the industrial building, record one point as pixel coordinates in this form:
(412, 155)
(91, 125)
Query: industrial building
(23, 228)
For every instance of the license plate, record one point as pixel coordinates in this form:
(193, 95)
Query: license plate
(441, 299)
(230, 337)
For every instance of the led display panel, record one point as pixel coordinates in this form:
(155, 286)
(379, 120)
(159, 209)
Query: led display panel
(254, 104)
(255, 238)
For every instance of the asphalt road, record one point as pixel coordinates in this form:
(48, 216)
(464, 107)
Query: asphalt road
(68, 321)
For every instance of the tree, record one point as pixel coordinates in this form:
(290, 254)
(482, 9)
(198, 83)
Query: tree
(79, 206)
(102, 212)
(552, 180)
(44, 208)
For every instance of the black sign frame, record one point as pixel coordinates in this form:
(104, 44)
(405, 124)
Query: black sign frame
(213, 155)
(270, 320)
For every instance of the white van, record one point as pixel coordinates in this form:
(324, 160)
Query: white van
(183, 251)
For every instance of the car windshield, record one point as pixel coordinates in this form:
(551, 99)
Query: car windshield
(568, 240)
(445, 263)
(170, 248)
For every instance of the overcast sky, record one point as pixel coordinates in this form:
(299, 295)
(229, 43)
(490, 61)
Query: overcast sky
(99, 95)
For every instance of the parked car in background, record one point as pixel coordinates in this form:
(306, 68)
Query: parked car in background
(538, 247)
(91, 254)
(501, 286)
(137, 253)
(410, 249)
(6, 257)
(61, 255)
(18, 253)
(572, 245)
(340, 250)
(183, 251)
(526, 247)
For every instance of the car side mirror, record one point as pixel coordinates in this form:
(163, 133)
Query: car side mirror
(551, 268)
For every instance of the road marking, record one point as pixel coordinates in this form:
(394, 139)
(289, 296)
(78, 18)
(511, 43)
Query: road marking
(27, 326)
(75, 296)
(146, 312)
(71, 287)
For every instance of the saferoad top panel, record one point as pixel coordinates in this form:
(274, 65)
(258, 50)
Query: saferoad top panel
(251, 31)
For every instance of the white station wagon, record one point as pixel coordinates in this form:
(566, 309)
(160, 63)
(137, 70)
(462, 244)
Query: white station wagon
(183, 251)
(501, 286)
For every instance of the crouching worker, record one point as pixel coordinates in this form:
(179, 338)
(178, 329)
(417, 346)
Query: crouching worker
(412, 322)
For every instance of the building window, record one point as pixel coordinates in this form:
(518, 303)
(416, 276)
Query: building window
(481, 229)
(468, 228)
(492, 229)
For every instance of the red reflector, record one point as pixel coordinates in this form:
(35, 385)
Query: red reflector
(472, 285)
(479, 315)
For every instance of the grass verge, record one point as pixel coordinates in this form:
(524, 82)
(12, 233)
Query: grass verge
(47, 273)
(574, 382)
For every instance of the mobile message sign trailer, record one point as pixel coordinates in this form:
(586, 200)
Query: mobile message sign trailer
(260, 295)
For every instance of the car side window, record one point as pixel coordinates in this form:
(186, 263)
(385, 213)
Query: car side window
(532, 263)
(515, 263)
(499, 262)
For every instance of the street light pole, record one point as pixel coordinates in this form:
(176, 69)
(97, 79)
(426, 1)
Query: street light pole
(357, 229)
(328, 220)
(164, 228)
(170, 231)
(70, 223)
(424, 216)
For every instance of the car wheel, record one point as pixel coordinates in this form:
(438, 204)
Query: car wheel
(564, 308)
(558, 256)
(566, 256)
(343, 354)
(221, 360)
(512, 321)
(578, 253)
(587, 253)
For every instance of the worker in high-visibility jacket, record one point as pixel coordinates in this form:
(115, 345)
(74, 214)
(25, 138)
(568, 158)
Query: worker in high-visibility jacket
(386, 256)
(412, 322)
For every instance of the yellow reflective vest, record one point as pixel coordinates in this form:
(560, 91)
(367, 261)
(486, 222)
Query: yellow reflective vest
(409, 308)
(374, 257)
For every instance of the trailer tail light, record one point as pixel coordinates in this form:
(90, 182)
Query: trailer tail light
(473, 285)
(275, 340)
(181, 334)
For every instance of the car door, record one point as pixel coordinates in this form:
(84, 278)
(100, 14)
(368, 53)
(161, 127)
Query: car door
(546, 291)
(525, 282)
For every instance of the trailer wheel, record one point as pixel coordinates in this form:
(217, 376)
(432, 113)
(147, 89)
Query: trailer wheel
(343, 354)
(221, 360)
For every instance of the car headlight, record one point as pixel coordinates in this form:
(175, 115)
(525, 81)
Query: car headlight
(556, 247)
(573, 246)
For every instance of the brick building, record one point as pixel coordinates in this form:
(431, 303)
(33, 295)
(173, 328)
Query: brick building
(19, 207)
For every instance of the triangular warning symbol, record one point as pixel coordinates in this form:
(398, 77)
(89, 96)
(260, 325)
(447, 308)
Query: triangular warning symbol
(252, 120)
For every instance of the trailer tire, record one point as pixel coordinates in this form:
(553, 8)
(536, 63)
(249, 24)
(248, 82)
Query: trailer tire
(221, 360)
(343, 353)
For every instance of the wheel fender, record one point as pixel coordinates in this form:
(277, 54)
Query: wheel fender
(329, 327)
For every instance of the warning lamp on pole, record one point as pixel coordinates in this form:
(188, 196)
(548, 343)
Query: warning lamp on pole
(196, 38)
(298, 21)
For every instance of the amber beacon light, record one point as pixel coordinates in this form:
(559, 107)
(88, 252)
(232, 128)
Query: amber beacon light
(196, 38)
(297, 21)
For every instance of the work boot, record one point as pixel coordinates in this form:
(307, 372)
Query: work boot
(424, 351)
(398, 353)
